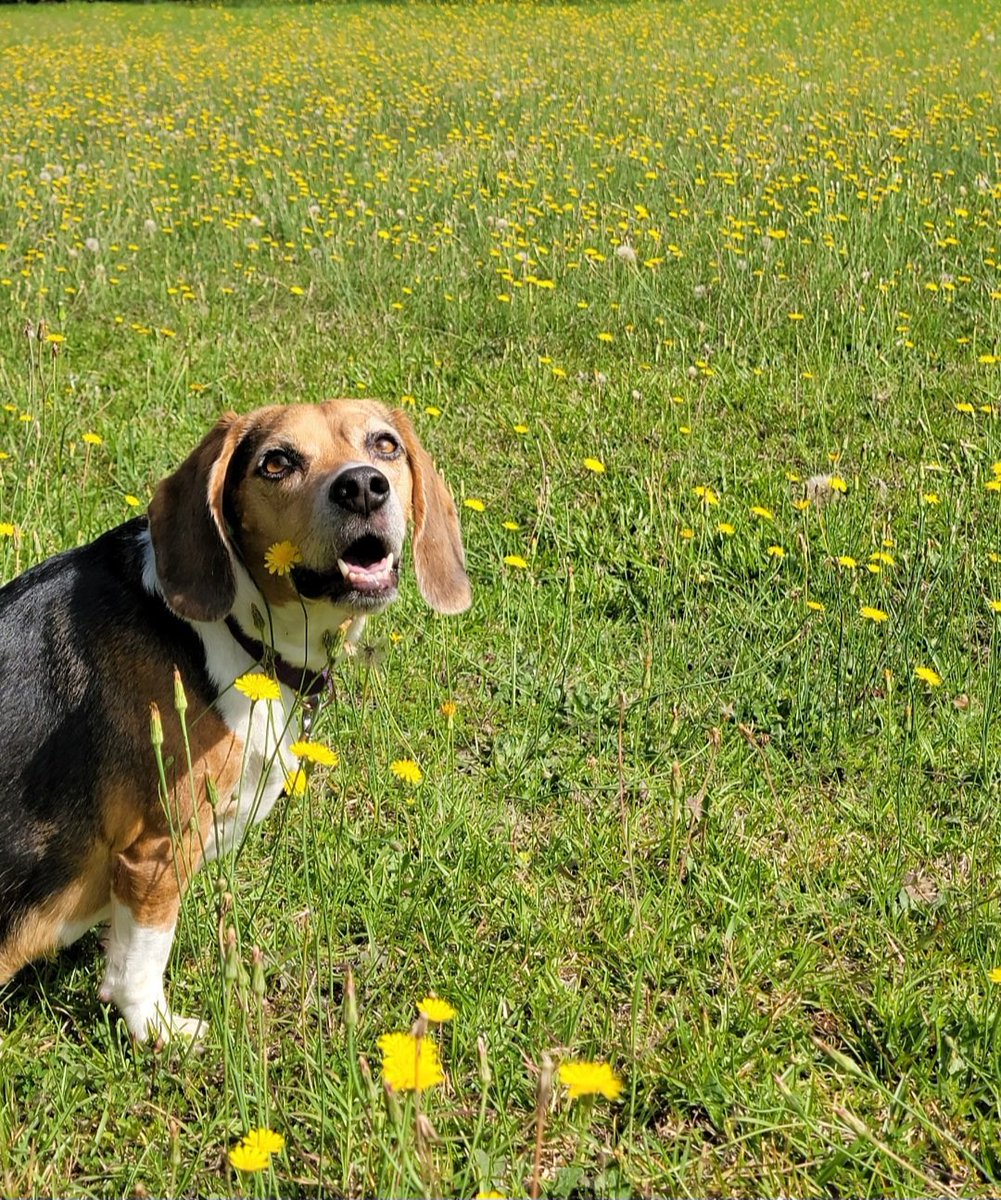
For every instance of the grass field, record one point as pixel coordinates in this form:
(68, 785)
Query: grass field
(698, 307)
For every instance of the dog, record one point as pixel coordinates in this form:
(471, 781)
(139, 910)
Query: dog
(92, 638)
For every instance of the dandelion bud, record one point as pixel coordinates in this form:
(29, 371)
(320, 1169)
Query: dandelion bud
(366, 1074)
(419, 1029)
(257, 617)
(426, 1132)
(180, 699)
(484, 1068)
(175, 1143)
(392, 1104)
(155, 726)
(677, 782)
(350, 1000)
(213, 794)
(231, 963)
(257, 972)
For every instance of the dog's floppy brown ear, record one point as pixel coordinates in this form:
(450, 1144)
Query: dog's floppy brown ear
(194, 561)
(439, 559)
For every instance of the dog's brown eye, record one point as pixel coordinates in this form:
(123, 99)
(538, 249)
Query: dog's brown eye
(276, 464)
(385, 445)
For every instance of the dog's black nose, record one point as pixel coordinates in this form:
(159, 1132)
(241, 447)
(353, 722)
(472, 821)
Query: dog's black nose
(360, 490)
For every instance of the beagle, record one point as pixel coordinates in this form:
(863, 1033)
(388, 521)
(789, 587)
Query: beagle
(93, 637)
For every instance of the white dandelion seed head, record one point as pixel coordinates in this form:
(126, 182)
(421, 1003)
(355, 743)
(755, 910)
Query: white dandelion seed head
(92, 244)
(625, 253)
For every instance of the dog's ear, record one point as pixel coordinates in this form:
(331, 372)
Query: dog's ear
(439, 559)
(194, 559)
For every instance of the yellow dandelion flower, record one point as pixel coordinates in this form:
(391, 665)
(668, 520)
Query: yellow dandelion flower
(407, 770)
(707, 496)
(281, 558)
(801, 505)
(6, 529)
(520, 428)
(315, 752)
(815, 606)
(55, 339)
(590, 1079)
(881, 556)
(846, 560)
(512, 525)
(994, 975)
(436, 1009)
(409, 1064)
(595, 465)
(515, 560)
(725, 528)
(964, 406)
(249, 1158)
(605, 336)
(874, 614)
(776, 552)
(93, 439)
(474, 504)
(132, 501)
(264, 1139)
(837, 484)
(993, 485)
(257, 686)
(295, 782)
(449, 708)
(994, 605)
(795, 316)
(927, 675)
(687, 533)
(765, 514)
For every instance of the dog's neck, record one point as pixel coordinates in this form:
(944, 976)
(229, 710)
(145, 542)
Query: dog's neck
(301, 680)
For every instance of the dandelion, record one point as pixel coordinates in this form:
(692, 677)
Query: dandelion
(474, 504)
(725, 528)
(253, 1152)
(846, 561)
(765, 514)
(132, 501)
(55, 339)
(993, 605)
(515, 560)
(875, 615)
(436, 1009)
(408, 1063)
(407, 770)
(6, 529)
(512, 525)
(994, 975)
(928, 676)
(815, 606)
(605, 336)
(315, 752)
(448, 709)
(257, 686)
(281, 558)
(837, 484)
(595, 465)
(520, 429)
(93, 439)
(590, 1079)
(295, 782)
(776, 552)
(249, 1158)
(265, 1139)
(707, 496)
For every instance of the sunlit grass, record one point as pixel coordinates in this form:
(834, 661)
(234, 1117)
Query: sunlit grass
(698, 308)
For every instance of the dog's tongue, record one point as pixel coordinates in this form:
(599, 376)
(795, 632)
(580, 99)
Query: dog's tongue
(374, 578)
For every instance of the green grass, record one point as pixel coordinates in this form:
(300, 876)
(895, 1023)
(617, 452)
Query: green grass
(680, 820)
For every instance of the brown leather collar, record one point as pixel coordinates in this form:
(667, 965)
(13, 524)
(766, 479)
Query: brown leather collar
(300, 679)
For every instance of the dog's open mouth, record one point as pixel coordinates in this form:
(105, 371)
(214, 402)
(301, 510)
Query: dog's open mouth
(367, 573)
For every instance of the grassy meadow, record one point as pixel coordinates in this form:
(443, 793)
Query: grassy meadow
(698, 308)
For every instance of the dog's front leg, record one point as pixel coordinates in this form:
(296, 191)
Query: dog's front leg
(145, 900)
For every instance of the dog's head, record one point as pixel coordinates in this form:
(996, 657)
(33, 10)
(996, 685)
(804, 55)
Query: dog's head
(335, 484)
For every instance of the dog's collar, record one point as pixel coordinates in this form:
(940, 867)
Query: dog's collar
(300, 679)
